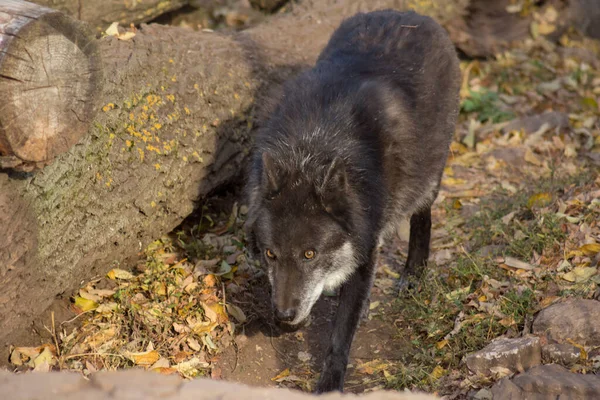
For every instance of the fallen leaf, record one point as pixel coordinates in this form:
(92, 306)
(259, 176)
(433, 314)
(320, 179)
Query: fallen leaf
(145, 358)
(193, 343)
(437, 373)
(281, 375)
(44, 360)
(539, 200)
(590, 249)
(236, 313)
(117, 273)
(515, 263)
(161, 363)
(580, 274)
(107, 307)
(372, 367)
(209, 280)
(85, 304)
(456, 294)
(215, 312)
(500, 372)
(441, 344)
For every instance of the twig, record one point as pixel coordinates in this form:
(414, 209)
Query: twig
(458, 323)
(54, 334)
(94, 354)
(75, 317)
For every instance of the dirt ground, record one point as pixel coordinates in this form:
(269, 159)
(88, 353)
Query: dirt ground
(263, 352)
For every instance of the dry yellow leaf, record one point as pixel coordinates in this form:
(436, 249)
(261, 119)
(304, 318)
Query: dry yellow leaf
(145, 358)
(117, 273)
(437, 373)
(532, 158)
(545, 28)
(539, 200)
(590, 249)
(441, 344)
(282, 374)
(215, 312)
(85, 304)
(44, 360)
(580, 274)
(372, 367)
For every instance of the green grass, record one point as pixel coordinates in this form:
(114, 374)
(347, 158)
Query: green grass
(485, 104)
(428, 313)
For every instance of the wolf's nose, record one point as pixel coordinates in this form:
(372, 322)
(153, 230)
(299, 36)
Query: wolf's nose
(286, 315)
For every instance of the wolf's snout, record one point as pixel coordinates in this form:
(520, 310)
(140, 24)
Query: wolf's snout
(285, 315)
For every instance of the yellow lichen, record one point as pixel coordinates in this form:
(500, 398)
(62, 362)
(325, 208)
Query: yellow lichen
(174, 78)
(152, 204)
(187, 110)
(195, 154)
(141, 153)
(152, 99)
(129, 143)
(171, 98)
(157, 166)
(108, 107)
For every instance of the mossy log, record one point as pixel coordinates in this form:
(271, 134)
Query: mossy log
(174, 122)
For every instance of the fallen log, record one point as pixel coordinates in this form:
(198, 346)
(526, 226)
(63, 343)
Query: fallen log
(174, 123)
(51, 76)
(101, 13)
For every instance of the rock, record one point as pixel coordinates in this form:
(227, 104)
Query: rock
(561, 353)
(532, 123)
(515, 355)
(145, 385)
(548, 382)
(483, 394)
(575, 319)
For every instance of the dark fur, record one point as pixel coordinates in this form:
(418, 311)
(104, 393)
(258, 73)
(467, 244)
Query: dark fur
(353, 145)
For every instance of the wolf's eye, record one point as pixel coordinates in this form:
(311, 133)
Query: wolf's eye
(270, 254)
(309, 254)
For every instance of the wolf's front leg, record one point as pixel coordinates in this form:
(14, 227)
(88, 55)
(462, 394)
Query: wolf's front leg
(354, 294)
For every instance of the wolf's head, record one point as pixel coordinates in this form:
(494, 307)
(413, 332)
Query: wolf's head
(300, 229)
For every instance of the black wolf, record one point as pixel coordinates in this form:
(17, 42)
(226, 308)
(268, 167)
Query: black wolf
(352, 146)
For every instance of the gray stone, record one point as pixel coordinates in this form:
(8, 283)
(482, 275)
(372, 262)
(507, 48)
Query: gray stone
(532, 123)
(561, 353)
(144, 385)
(577, 320)
(516, 355)
(548, 382)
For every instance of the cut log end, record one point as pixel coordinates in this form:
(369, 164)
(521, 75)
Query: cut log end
(50, 76)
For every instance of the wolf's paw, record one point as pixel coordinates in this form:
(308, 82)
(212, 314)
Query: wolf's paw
(406, 283)
(330, 381)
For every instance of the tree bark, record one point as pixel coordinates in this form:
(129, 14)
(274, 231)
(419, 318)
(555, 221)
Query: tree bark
(174, 123)
(101, 13)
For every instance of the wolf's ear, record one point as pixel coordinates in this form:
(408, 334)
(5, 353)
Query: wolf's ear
(334, 190)
(336, 180)
(271, 179)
